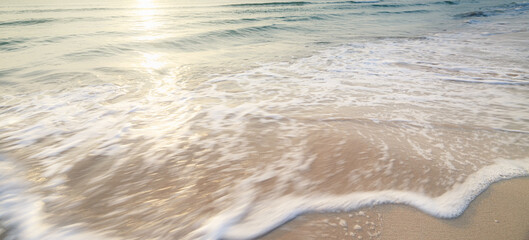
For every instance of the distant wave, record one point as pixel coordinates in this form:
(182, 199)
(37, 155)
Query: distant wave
(27, 22)
(11, 44)
(299, 3)
(510, 8)
(203, 40)
(61, 10)
(11, 41)
(404, 12)
(288, 18)
(7, 72)
(268, 4)
(305, 18)
(103, 51)
(361, 2)
(447, 2)
(396, 5)
(477, 14)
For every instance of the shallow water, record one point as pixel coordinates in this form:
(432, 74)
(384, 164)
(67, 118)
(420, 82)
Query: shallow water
(224, 119)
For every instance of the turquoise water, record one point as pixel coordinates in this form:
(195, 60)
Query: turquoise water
(224, 119)
(209, 34)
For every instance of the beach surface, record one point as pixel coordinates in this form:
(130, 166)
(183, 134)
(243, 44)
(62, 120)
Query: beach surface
(500, 212)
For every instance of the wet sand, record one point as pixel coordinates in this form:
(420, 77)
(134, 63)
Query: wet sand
(501, 212)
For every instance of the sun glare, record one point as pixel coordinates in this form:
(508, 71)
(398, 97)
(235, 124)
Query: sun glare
(145, 3)
(146, 10)
(152, 61)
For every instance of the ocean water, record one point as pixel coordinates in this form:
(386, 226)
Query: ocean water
(212, 119)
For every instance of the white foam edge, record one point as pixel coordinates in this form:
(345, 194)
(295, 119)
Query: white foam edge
(22, 212)
(263, 219)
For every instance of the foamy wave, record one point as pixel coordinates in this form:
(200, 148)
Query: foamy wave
(260, 219)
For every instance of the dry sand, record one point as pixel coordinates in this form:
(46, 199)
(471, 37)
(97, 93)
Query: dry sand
(501, 212)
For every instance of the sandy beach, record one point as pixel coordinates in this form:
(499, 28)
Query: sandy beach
(501, 212)
(272, 119)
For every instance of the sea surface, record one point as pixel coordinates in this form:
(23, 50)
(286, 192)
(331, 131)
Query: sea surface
(223, 119)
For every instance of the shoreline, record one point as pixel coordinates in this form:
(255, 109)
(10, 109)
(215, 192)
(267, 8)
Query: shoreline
(499, 212)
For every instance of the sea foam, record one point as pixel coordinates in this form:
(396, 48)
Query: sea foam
(260, 219)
